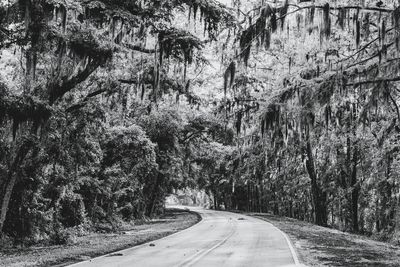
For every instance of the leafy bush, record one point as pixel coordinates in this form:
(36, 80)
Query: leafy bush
(62, 236)
(6, 241)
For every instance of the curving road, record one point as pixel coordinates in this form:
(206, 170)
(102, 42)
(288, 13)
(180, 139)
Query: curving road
(220, 239)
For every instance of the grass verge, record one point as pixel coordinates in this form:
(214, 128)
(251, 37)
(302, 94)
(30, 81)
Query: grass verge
(96, 244)
(320, 246)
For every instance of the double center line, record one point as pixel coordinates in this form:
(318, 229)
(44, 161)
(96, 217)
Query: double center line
(200, 254)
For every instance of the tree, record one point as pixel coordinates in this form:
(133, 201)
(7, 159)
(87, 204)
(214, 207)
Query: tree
(337, 65)
(62, 46)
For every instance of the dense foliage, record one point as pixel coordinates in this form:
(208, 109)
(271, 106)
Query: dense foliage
(323, 145)
(89, 134)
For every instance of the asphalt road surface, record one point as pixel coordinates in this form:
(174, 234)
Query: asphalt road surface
(219, 239)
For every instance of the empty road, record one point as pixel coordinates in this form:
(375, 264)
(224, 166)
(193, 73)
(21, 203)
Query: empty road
(220, 239)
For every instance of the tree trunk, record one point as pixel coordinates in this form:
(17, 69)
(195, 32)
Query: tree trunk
(8, 185)
(248, 197)
(396, 235)
(5, 201)
(355, 192)
(318, 195)
(215, 200)
(153, 199)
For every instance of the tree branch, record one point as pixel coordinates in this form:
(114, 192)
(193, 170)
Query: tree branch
(128, 81)
(140, 48)
(363, 48)
(376, 9)
(59, 90)
(394, 79)
(371, 57)
(395, 106)
(85, 100)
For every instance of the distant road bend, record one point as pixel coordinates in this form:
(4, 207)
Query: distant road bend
(220, 239)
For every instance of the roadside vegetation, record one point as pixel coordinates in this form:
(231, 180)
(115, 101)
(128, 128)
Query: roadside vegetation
(89, 134)
(321, 246)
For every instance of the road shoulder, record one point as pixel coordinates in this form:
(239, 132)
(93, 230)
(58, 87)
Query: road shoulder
(97, 244)
(321, 246)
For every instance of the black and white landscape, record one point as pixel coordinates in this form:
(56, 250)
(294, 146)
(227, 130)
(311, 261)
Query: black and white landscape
(199, 133)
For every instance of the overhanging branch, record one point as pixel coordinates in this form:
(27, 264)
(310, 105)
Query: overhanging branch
(85, 100)
(140, 48)
(58, 90)
(394, 79)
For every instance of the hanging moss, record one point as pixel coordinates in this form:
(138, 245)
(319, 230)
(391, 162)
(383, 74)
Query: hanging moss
(97, 12)
(212, 13)
(358, 33)
(62, 13)
(239, 118)
(311, 15)
(261, 21)
(309, 19)
(383, 32)
(48, 8)
(396, 25)
(342, 15)
(178, 44)
(328, 115)
(246, 39)
(142, 90)
(299, 20)
(274, 22)
(271, 118)
(326, 20)
(283, 12)
(23, 109)
(366, 25)
(83, 43)
(260, 31)
(267, 39)
(229, 76)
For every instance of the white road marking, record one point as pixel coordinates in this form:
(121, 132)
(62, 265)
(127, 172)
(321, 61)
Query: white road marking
(292, 250)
